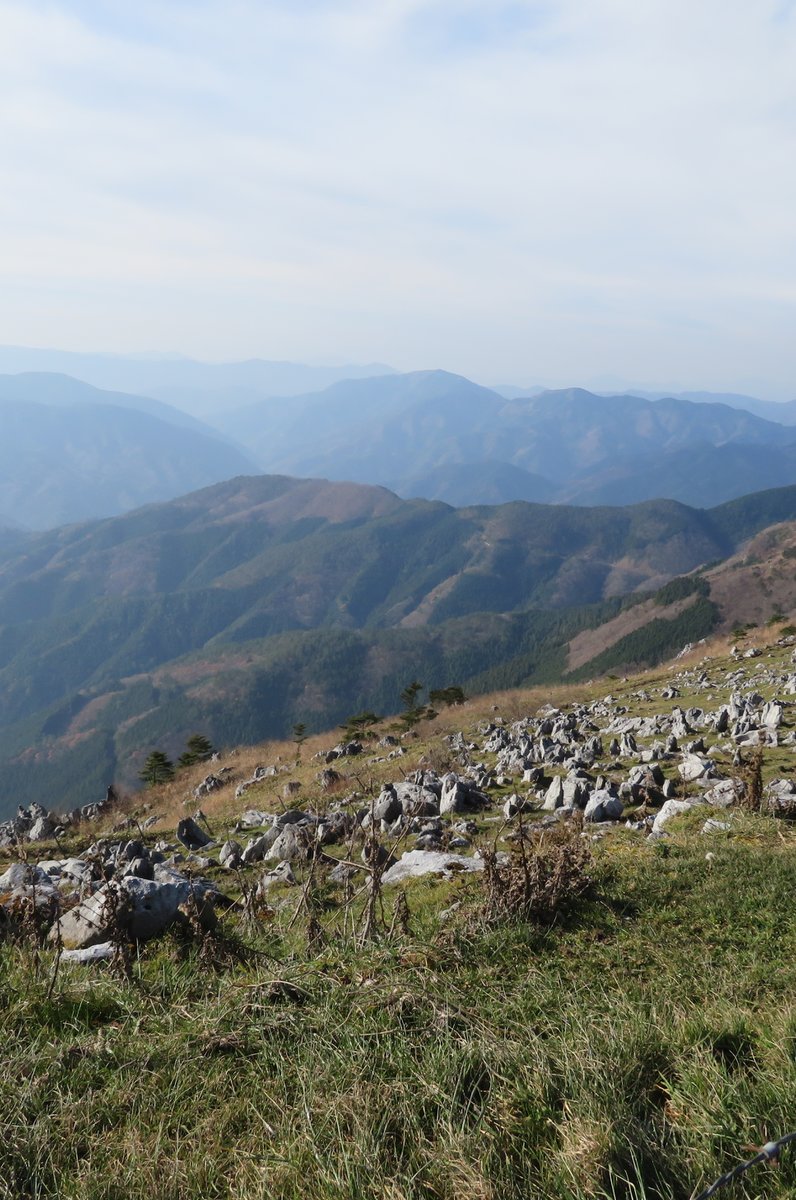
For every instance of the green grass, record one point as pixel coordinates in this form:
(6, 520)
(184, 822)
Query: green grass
(635, 1050)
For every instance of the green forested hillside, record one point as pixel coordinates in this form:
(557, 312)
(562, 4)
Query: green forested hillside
(264, 601)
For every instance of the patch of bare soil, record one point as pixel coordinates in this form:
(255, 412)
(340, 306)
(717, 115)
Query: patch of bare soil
(591, 642)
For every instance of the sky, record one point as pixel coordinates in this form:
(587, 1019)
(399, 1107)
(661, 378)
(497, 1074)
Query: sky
(548, 192)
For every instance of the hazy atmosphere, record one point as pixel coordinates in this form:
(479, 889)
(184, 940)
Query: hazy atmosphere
(526, 193)
(397, 599)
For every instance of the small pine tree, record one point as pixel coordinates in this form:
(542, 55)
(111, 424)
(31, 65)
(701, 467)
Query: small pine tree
(157, 769)
(414, 712)
(198, 748)
(360, 725)
(410, 694)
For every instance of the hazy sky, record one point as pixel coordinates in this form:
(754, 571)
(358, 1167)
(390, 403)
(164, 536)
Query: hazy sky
(558, 192)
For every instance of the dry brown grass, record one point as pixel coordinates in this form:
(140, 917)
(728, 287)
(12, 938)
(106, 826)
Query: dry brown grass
(547, 872)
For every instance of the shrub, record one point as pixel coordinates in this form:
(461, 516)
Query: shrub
(546, 873)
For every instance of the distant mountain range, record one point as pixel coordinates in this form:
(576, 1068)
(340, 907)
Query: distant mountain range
(196, 387)
(70, 452)
(256, 603)
(441, 436)
(427, 433)
(784, 413)
(63, 391)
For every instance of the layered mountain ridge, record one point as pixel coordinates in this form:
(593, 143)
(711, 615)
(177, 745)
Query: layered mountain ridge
(438, 435)
(71, 452)
(263, 601)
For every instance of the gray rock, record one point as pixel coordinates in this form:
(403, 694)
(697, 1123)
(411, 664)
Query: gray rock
(554, 796)
(293, 816)
(259, 846)
(454, 797)
(772, 715)
(80, 872)
(130, 850)
(26, 879)
(714, 826)
(334, 827)
(429, 862)
(41, 830)
(672, 808)
(695, 767)
(253, 818)
(291, 843)
(281, 873)
(513, 805)
(603, 806)
(343, 872)
(387, 807)
(191, 835)
(429, 841)
(230, 855)
(417, 800)
(141, 868)
(724, 793)
(51, 866)
(780, 797)
(144, 908)
(211, 783)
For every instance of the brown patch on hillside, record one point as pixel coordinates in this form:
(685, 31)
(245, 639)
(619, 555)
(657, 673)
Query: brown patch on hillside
(758, 581)
(53, 749)
(591, 642)
(86, 718)
(422, 614)
(628, 574)
(131, 721)
(198, 669)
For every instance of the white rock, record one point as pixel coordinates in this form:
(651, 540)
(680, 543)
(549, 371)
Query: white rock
(694, 767)
(41, 830)
(714, 826)
(254, 819)
(257, 847)
(723, 794)
(89, 954)
(291, 844)
(230, 854)
(454, 796)
(429, 862)
(672, 808)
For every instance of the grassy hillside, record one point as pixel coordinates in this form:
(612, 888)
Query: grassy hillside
(633, 1047)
